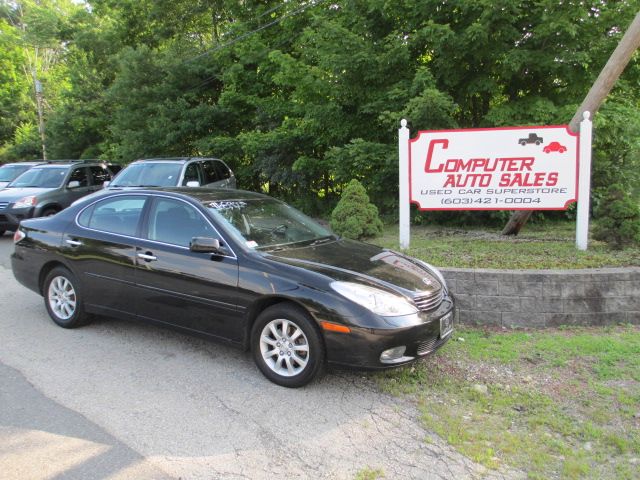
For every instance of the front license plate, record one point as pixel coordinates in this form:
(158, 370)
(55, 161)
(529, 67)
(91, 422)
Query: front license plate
(446, 325)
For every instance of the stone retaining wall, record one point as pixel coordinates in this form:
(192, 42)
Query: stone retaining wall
(546, 298)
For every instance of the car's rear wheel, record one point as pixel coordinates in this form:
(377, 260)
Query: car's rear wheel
(49, 212)
(2, 232)
(287, 346)
(63, 300)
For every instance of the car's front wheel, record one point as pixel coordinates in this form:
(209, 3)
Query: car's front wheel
(63, 300)
(287, 346)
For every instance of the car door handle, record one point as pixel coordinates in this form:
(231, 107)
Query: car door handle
(74, 243)
(147, 257)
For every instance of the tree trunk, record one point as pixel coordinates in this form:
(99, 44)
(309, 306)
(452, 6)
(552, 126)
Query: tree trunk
(596, 96)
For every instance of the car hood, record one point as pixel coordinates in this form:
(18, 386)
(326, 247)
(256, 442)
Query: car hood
(13, 194)
(349, 260)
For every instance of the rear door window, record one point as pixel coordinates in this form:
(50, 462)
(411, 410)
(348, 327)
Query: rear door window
(211, 175)
(223, 171)
(119, 215)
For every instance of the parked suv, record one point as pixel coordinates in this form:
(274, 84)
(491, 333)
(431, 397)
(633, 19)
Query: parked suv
(175, 172)
(46, 189)
(10, 171)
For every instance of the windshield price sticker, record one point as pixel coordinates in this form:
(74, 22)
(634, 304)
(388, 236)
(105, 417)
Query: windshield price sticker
(227, 205)
(518, 168)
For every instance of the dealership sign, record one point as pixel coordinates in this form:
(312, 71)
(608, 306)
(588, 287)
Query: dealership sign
(514, 168)
(530, 168)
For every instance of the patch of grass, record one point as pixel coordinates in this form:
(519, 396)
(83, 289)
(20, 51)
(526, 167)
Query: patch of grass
(558, 403)
(369, 474)
(551, 245)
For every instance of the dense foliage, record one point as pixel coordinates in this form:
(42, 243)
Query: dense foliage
(354, 216)
(299, 97)
(619, 218)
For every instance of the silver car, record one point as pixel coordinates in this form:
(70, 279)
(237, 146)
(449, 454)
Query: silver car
(10, 171)
(175, 172)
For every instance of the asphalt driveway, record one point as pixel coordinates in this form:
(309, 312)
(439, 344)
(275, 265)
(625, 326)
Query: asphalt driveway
(122, 400)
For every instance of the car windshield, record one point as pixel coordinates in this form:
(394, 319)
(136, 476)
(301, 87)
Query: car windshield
(10, 172)
(41, 178)
(149, 174)
(267, 224)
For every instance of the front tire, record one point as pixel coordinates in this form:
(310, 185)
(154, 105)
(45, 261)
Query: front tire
(287, 346)
(63, 299)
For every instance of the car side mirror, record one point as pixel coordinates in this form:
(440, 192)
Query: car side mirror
(73, 184)
(205, 245)
(106, 183)
(193, 183)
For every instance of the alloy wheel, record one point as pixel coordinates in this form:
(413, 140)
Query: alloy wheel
(62, 297)
(284, 347)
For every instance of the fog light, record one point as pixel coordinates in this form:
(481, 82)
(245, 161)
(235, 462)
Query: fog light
(393, 355)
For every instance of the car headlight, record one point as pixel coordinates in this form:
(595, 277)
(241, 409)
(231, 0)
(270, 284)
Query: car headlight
(437, 273)
(378, 301)
(29, 201)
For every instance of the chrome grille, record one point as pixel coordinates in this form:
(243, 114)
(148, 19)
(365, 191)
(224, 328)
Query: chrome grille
(428, 302)
(428, 346)
(3, 205)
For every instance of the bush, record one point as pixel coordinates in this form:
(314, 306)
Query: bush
(619, 219)
(354, 216)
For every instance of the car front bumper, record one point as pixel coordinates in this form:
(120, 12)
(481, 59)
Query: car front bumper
(362, 347)
(10, 218)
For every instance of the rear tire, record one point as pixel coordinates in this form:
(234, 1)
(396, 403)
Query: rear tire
(63, 299)
(49, 212)
(2, 232)
(287, 346)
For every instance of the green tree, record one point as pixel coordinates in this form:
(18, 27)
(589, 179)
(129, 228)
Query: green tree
(618, 218)
(40, 30)
(301, 97)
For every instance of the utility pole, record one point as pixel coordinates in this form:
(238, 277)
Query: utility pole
(597, 94)
(39, 102)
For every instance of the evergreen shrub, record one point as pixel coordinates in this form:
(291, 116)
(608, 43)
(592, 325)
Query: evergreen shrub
(355, 216)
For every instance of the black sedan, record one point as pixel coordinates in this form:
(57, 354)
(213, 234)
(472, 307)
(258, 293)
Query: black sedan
(240, 267)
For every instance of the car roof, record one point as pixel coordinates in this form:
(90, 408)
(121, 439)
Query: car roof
(173, 159)
(68, 163)
(200, 194)
(23, 163)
